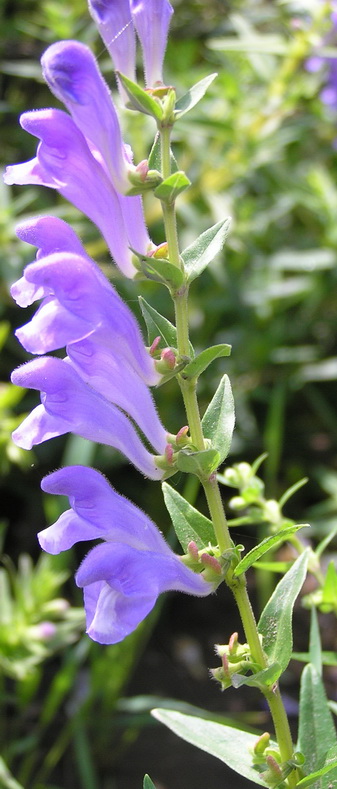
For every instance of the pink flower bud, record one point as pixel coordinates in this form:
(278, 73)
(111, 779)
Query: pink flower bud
(168, 356)
(193, 550)
(212, 562)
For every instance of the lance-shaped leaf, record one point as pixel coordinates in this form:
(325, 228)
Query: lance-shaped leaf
(316, 733)
(204, 359)
(325, 778)
(275, 623)
(189, 524)
(154, 160)
(160, 270)
(201, 463)
(199, 254)
(266, 677)
(147, 783)
(193, 96)
(158, 326)
(264, 546)
(232, 746)
(140, 100)
(171, 187)
(218, 421)
(329, 591)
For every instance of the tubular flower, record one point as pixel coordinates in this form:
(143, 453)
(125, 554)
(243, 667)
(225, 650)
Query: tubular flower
(64, 162)
(69, 405)
(117, 21)
(123, 576)
(107, 359)
(151, 19)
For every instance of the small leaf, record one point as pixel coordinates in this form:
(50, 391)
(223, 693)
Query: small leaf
(154, 160)
(193, 96)
(200, 463)
(329, 591)
(264, 546)
(290, 492)
(157, 326)
(171, 187)
(189, 524)
(268, 676)
(160, 270)
(6, 779)
(204, 359)
(147, 783)
(314, 778)
(140, 99)
(315, 647)
(232, 746)
(199, 254)
(275, 623)
(316, 733)
(219, 418)
(328, 658)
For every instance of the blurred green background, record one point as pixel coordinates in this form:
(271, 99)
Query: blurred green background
(260, 148)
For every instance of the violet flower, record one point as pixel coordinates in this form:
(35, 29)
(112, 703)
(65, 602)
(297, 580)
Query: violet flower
(113, 19)
(65, 162)
(81, 311)
(118, 19)
(151, 19)
(123, 576)
(315, 63)
(69, 405)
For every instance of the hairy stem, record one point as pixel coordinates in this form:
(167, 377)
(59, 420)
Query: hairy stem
(210, 485)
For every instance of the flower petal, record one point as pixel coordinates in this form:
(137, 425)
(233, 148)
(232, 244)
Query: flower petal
(74, 407)
(122, 585)
(113, 19)
(71, 72)
(65, 162)
(100, 511)
(151, 19)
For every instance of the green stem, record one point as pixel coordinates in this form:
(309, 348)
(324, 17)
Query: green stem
(211, 487)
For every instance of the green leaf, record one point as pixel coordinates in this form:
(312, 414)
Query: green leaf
(199, 254)
(316, 734)
(273, 567)
(204, 359)
(171, 187)
(314, 778)
(140, 99)
(218, 421)
(275, 623)
(231, 746)
(161, 270)
(189, 524)
(315, 647)
(328, 658)
(329, 591)
(154, 160)
(268, 676)
(6, 779)
(264, 546)
(147, 783)
(157, 326)
(200, 463)
(193, 96)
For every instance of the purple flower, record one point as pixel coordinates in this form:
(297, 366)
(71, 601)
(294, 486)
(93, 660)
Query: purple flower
(118, 19)
(113, 19)
(70, 405)
(151, 19)
(64, 162)
(315, 63)
(123, 576)
(71, 72)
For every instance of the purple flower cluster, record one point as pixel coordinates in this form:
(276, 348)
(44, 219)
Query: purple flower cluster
(329, 93)
(100, 389)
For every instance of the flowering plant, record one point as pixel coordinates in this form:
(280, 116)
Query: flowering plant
(101, 391)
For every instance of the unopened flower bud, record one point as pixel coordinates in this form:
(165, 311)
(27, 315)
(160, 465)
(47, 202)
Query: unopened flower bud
(212, 562)
(232, 643)
(193, 550)
(169, 453)
(142, 169)
(154, 346)
(161, 251)
(168, 356)
(182, 434)
(262, 743)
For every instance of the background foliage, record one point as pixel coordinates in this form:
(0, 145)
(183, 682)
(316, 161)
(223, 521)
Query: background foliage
(261, 148)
